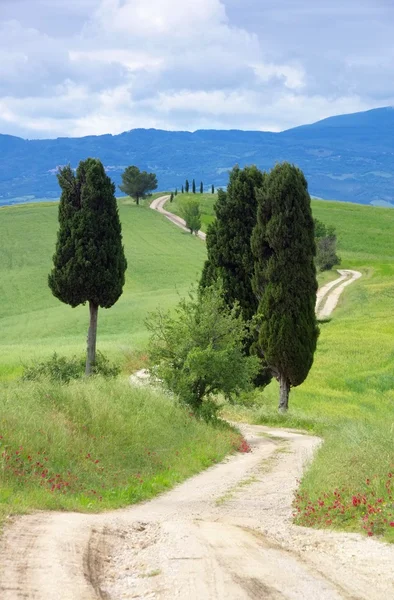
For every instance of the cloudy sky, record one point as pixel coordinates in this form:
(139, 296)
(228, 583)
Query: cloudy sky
(82, 67)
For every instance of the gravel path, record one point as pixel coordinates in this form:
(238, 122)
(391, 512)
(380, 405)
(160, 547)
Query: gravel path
(225, 534)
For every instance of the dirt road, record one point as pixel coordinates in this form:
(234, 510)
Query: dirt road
(328, 296)
(158, 205)
(224, 534)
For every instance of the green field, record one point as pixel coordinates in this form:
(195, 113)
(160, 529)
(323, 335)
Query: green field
(348, 397)
(162, 260)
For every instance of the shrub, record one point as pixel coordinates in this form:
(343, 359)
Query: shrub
(326, 246)
(191, 214)
(199, 353)
(63, 369)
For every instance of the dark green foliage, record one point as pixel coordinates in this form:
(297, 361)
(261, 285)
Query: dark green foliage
(64, 369)
(198, 353)
(230, 257)
(194, 187)
(191, 214)
(171, 197)
(187, 186)
(89, 263)
(201, 188)
(326, 246)
(213, 189)
(182, 192)
(138, 184)
(283, 244)
(176, 191)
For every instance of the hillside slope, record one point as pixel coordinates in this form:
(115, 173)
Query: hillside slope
(349, 157)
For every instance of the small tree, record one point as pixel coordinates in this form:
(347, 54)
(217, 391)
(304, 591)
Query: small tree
(198, 353)
(194, 186)
(213, 189)
(183, 191)
(89, 262)
(201, 188)
(192, 216)
(171, 197)
(326, 246)
(285, 278)
(176, 191)
(138, 184)
(187, 186)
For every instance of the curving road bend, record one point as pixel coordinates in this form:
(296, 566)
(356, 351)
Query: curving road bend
(225, 534)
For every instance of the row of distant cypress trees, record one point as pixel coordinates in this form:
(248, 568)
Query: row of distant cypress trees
(262, 247)
(185, 189)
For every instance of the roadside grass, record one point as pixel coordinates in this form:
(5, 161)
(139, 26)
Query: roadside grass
(97, 444)
(206, 202)
(163, 262)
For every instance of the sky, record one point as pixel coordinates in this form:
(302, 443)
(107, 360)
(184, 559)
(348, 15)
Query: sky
(90, 67)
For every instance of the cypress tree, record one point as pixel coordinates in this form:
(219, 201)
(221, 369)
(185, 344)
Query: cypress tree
(201, 188)
(176, 191)
(183, 191)
(213, 189)
(285, 277)
(172, 197)
(89, 262)
(187, 186)
(194, 186)
(230, 256)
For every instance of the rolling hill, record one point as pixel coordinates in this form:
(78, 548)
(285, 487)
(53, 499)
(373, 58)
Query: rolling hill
(348, 157)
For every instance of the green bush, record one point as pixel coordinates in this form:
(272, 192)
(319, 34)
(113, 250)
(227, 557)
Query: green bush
(199, 352)
(64, 369)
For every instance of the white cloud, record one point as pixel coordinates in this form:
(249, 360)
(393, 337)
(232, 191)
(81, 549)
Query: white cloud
(119, 64)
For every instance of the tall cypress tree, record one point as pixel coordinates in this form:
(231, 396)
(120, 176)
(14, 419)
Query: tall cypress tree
(284, 281)
(230, 256)
(89, 262)
(201, 188)
(187, 186)
(183, 191)
(194, 186)
(213, 189)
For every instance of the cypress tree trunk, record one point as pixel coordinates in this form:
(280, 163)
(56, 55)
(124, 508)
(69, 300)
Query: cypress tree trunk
(284, 386)
(92, 336)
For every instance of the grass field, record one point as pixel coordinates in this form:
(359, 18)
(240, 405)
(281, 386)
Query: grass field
(94, 445)
(162, 262)
(348, 397)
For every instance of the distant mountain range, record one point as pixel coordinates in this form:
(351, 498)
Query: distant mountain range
(348, 157)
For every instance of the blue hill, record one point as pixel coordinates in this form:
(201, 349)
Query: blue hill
(348, 157)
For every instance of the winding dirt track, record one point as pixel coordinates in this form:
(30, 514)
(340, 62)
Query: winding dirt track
(226, 533)
(223, 534)
(327, 296)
